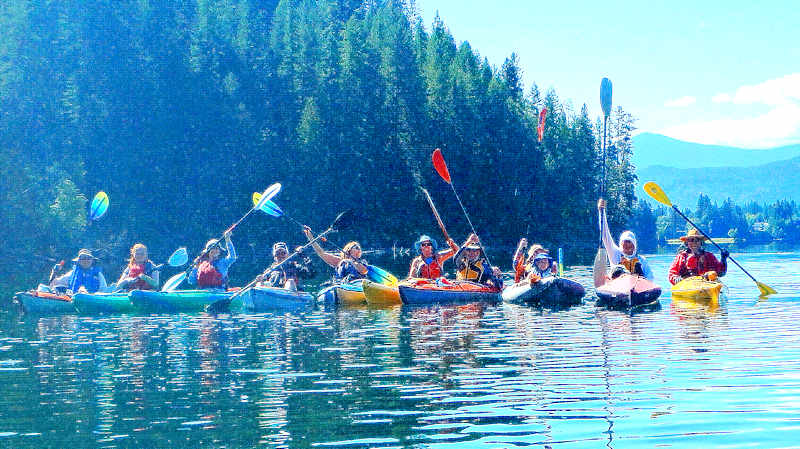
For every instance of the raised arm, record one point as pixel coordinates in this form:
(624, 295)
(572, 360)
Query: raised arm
(329, 258)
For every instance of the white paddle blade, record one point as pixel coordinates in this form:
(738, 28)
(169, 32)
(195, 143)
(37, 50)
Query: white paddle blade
(173, 282)
(600, 268)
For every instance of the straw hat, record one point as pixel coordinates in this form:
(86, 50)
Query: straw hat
(84, 252)
(693, 234)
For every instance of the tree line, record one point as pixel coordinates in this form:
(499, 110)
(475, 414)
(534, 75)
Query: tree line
(180, 110)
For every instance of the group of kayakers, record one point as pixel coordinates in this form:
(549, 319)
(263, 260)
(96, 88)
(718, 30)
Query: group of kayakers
(210, 268)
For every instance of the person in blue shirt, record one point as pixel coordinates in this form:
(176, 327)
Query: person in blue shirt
(210, 269)
(85, 275)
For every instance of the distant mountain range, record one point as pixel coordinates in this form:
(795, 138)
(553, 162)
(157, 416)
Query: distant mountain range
(686, 169)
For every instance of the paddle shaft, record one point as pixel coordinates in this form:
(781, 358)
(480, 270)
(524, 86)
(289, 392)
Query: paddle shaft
(675, 208)
(603, 179)
(436, 214)
(469, 221)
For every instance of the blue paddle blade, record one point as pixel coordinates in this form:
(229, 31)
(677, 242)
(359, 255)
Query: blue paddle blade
(178, 258)
(173, 282)
(99, 206)
(379, 275)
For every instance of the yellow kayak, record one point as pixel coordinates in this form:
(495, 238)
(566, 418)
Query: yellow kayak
(697, 288)
(380, 294)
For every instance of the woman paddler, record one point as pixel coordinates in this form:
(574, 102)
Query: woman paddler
(471, 265)
(140, 274)
(693, 260)
(348, 264)
(625, 255)
(525, 266)
(428, 264)
(210, 268)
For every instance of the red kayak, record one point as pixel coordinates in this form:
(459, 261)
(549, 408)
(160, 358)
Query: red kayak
(428, 291)
(628, 290)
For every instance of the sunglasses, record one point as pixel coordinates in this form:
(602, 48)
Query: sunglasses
(84, 258)
(427, 244)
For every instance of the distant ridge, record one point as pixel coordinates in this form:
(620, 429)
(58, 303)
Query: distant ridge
(655, 149)
(764, 183)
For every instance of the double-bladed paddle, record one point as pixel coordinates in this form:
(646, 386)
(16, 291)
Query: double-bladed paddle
(600, 267)
(655, 191)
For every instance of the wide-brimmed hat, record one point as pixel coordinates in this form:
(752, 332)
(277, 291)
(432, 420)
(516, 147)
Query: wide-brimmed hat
(84, 252)
(422, 239)
(693, 234)
(473, 246)
(280, 245)
(214, 243)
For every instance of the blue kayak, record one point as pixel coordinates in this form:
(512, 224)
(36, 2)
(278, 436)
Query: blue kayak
(267, 299)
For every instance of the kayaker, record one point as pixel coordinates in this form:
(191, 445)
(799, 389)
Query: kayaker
(625, 255)
(85, 275)
(348, 263)
(428, 264)
(524, 266)
(693, 260)
(140, 274)
(541, 267)
(471, 265)
(210, 268)
(287, 275)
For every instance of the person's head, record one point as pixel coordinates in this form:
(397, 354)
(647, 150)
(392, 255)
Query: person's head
(352, 251)
(627, 243)
(542, 261)
(138, 253)
(472, 251)
(425, 246)
(280, 251)
(213, 250)
(693, 240)
(535, 250)
(85, 259)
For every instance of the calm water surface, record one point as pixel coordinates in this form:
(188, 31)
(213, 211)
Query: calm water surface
(684, 375)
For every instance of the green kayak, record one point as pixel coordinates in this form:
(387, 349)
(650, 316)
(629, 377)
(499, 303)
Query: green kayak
(176, 301)
(87, 303)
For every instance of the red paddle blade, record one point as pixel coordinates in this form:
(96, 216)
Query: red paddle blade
(440, 166)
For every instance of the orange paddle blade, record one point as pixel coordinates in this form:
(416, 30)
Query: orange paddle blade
(440, 166)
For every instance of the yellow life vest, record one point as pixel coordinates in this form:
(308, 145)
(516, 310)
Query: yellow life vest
(471, 271)
(629, 264)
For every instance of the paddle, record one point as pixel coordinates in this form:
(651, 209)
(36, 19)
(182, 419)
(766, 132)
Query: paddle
(173, 282)
(435, 213)
(99, 206)
(178, 258)
(600, 267)
(441, 168)
(343, 220)
(655, 191)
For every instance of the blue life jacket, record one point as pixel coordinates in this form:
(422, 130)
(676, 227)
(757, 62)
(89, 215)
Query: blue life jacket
(89, 279)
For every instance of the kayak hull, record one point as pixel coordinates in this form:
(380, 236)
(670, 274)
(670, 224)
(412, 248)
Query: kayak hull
(87, 303)
(550, 291)
(268, 299)
(628, 290)
(426, 291)
(380, 294)
(176, 301)
(697, 289)
(35, 302)
(349, 293)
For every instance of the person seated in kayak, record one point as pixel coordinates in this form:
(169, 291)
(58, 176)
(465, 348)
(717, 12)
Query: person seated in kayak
(289, 273)
(626, 253)
(210, 269)
(428, 264)
(348, 263)
(524, 266)
(85, 275)
(471, 265)
(141, 273)
(541, 267)
(693, 260)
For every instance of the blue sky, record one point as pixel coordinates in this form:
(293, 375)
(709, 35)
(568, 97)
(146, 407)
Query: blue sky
(712, 72)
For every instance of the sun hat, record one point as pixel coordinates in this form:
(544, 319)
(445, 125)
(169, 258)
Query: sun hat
(693, 234)
(422, 239)
(84, 252)
(280, 245)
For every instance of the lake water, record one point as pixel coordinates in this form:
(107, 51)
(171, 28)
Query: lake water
(466, 376)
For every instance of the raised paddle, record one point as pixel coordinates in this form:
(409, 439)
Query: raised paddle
(343, 220)
(435, 213)
(600, 267)
(99, 206)
(655, 191)
(173, 282)
(441, 168)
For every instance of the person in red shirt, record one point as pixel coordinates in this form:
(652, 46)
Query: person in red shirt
(694, 260)
(428, 264)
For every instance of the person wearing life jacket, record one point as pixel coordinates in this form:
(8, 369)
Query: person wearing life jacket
(471, 265)
(693, 260)
(85, 275)
(141, 273)
(623, 257)
(289, 273)
(523, 266)
(428, 264)
(210, 268)
(541, 267)
(348, 264)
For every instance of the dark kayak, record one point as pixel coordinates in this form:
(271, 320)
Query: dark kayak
(628, 290)
(550, 291)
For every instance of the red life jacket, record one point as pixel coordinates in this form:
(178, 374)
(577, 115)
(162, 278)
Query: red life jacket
(431, 270)
(208, 275)
(135, 269)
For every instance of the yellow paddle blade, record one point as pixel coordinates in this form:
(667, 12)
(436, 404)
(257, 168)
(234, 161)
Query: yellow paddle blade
(765, 289)
(654, 190)
(256, 197)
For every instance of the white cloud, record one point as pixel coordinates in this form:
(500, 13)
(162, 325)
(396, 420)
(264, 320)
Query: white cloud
(779, 126)
(680, 102)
